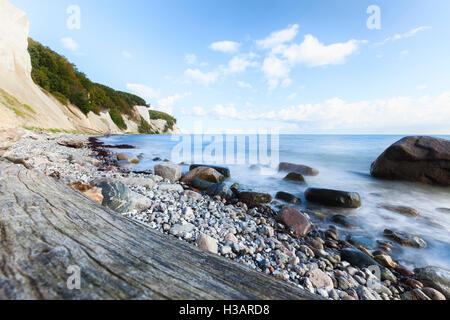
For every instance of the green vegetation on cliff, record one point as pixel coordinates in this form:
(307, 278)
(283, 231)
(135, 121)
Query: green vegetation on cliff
(66, 83)
(158, 115)
(62, 79)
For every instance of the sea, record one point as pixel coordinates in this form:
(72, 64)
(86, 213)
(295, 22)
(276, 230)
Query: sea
(344, 163)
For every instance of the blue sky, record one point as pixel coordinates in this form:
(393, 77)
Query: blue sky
(239, 66)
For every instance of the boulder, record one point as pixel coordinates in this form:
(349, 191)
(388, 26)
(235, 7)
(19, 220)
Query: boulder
(192, 194)
(433, 294)
(296, 220)
(297, 168)
(116, 195)
(169, 171)
(255, 197)
(405, 239)
(420, 159)
(287, 197)
(436, 278)
(223, 170)
(205, 174)
(201, 185)
(334, 198)
(72, 143)
(295, 177)
(357, 258)
(122, 157)
(221, 190)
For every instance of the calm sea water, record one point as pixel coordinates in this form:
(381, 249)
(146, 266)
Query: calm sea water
(344, 164)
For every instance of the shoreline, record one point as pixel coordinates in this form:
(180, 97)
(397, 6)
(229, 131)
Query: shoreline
(252, 237)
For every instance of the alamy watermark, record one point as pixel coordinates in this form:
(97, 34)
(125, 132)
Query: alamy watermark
(74, 19)
(374, 21)
(74, 280)
(261, 147)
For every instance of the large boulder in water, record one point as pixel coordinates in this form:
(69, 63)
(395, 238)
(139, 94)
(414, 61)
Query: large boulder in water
(255, 197)
(223, 170)
(420, 159)
(205, 174)
(333, 198)
(297, 168)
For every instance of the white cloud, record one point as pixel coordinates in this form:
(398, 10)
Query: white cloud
(143, 91)
(286, 83)
(226, 112)
(69, 43)
(225, 46)
(403, 115)
(240, 64)
(279, 37)
(275, 70)
(205, 78)
(313, 53)
(243, 84)
(408, 34)
(404, 52)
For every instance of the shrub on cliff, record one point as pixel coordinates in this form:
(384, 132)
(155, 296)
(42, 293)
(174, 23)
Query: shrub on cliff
(158, 115)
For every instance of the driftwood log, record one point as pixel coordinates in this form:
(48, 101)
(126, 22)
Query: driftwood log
(45, 227)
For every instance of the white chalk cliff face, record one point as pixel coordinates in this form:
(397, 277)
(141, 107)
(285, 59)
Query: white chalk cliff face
(25, 104)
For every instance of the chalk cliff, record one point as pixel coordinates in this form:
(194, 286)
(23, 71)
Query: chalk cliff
(25, 104)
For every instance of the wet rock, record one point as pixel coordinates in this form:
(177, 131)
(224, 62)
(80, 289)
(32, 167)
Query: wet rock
(222, 170)
(301, 169)
(422, 159)
(321, 280)
(255, 197)
(386, 274)
(207, 243)
(361, 241)
(221, 190)
(405, 239)
(417, 294)
(169, 171)
(436, 278)
(407, 211)
(205, 174)
(344, 221)
(134, 160)
(287, 197)
(295, 177)
(334, 198)
(404, 271)
(357, 258)
(332, 234)
(201, 185)
(433, 294)
(413, 284)
(443, 210)
(122, 157)
(385, 260)
(296, 220)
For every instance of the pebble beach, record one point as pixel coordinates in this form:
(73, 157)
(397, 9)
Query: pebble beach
(262, 237)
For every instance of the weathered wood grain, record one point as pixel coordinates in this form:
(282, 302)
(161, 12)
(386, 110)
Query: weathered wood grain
(45, 227)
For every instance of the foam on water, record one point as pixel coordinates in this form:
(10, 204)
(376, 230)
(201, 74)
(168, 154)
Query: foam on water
(344, 164)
